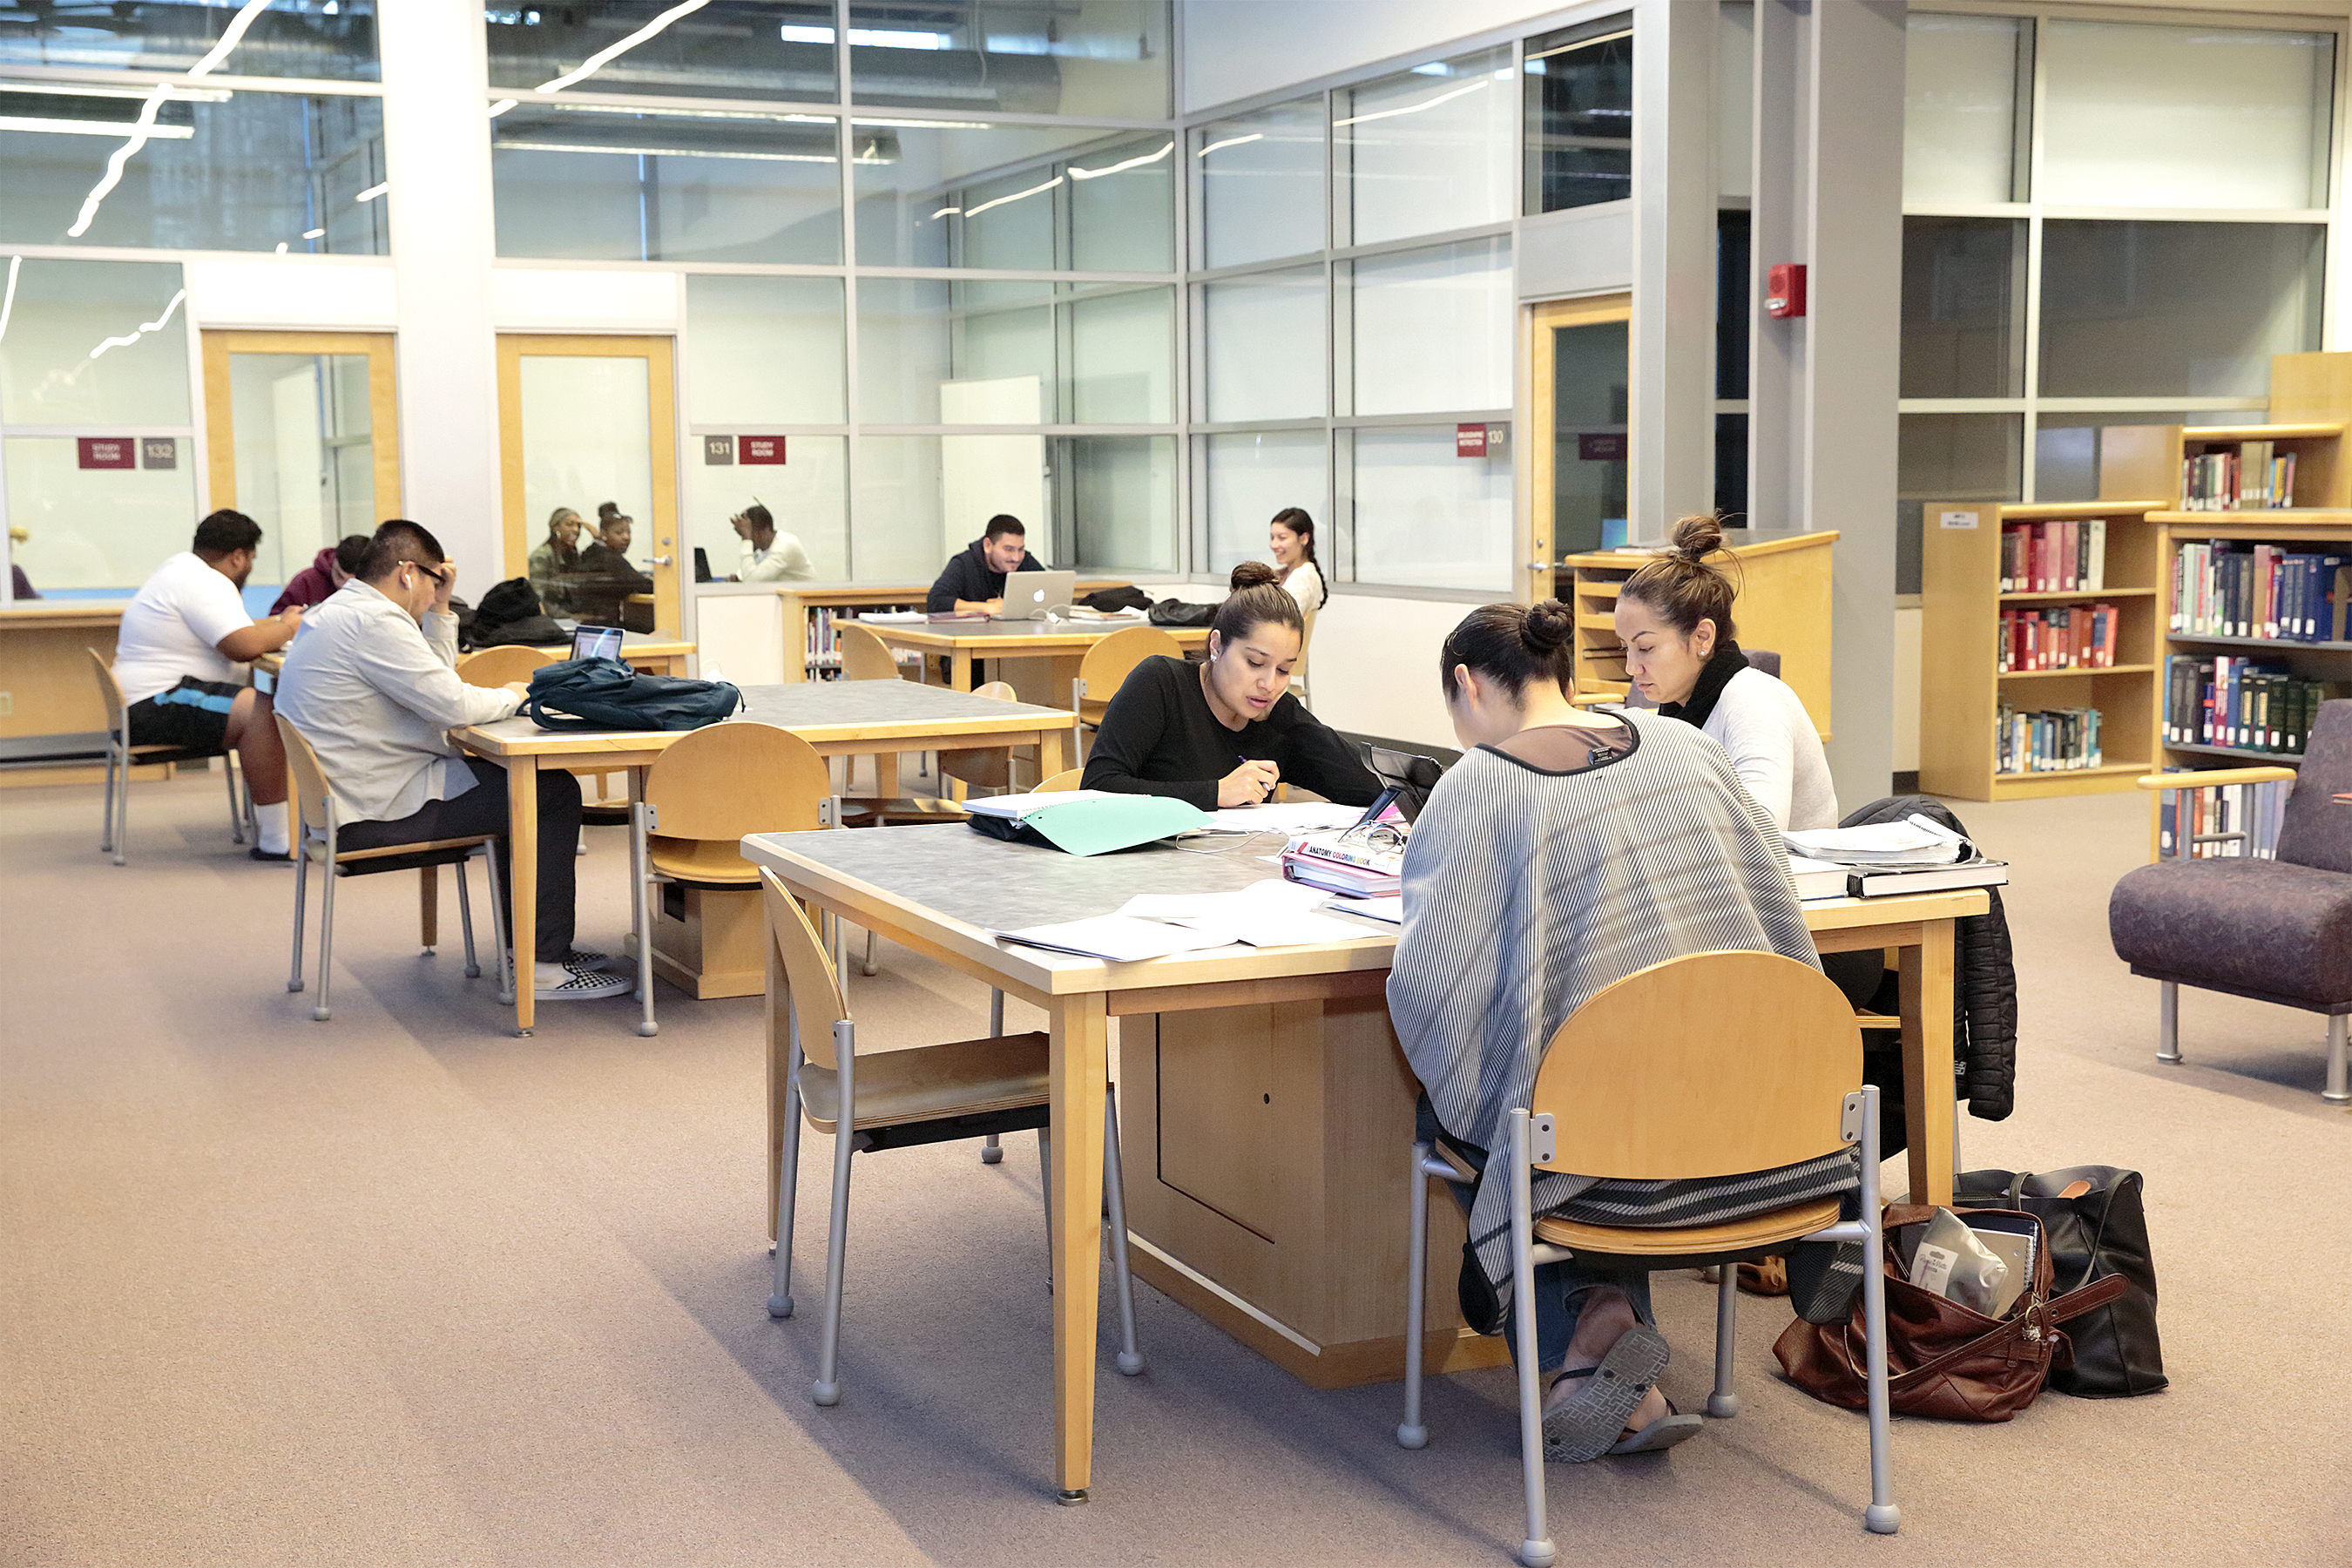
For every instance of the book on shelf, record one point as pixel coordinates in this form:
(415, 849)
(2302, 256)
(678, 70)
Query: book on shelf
(2046, 740)
(2257, 811)
(2245, 704)
(2252, 476)
(2067, 636)
(2232, 589)
(2062, 555)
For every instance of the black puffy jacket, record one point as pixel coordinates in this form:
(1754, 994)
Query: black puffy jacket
(1984, 979)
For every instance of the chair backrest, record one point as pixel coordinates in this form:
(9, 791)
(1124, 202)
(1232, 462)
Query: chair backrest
(1110, 661)
(863, 656)
(2317, 832)
(989, 769)
(497, 666)
(1067, 779)
(306, 782)
(815, 989)
(110, 693)
(1714, 1064)
(724, 781)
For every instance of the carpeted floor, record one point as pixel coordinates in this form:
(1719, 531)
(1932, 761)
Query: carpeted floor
(405, 1289)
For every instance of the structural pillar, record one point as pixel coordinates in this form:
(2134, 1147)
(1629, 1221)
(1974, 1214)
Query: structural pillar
(1672, 381)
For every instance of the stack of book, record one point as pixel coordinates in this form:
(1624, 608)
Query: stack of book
(2240, 703)
(1916, 855)
(2233, 590)
(1337, 864)
(2249, 477)
(2056, 740)
(2071, 637)
(2255, 810)
(2068, 556)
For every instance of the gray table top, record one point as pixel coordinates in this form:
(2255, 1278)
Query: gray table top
(992, 883)
(815, 704)
(1008, 629)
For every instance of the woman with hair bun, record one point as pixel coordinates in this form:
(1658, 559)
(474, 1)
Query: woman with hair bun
(1226, 732)
(1674, 619)
(1565, 851)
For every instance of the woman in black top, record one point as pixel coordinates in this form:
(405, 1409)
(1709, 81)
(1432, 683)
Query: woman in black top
(1226, 732)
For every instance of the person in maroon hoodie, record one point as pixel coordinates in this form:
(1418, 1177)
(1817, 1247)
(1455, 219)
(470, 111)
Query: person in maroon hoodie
(331, 571)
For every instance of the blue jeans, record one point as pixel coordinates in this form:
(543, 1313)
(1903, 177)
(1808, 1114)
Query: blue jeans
(1558, 1287)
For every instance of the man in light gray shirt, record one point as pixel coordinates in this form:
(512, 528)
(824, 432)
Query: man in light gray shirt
(372, 685)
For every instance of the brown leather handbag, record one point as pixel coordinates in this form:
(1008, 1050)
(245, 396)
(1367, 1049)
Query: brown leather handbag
(1943, 1359)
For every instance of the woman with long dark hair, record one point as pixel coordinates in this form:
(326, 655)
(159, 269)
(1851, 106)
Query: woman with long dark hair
(1291, 537)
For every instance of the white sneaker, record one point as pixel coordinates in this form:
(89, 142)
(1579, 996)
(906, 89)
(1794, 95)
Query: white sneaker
(569, 985)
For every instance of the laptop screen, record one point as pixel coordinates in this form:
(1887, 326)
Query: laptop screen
(596, 642)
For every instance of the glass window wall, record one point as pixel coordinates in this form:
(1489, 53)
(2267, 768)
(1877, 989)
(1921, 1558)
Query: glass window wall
(300, 39)
(93, 530)
(1425, 517)
(1427, 150)
(1580, 105)
(1261, 184)
(1963, 307)
(727, 48)
(1076, 57)
(1252, 476)
(1266, 345)
(764, 350)
(1965, 91)
(1014, 198)
(807, 494)
(1407, 304)
(1122, 506)
(2167, 309)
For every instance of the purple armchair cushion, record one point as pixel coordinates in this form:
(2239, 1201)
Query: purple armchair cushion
(2261, 928)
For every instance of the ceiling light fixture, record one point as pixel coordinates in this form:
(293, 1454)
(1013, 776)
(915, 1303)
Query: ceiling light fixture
(610, 52)
(1230, 141)
(143, 129)
(8, 300)
(91, 127)
(314, 234)
(373, 191)
(81, 89)
(1119, 168)
(1413, 108)
(156, 325)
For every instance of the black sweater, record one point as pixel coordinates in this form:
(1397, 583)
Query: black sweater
(1158, 737)
(968, 577)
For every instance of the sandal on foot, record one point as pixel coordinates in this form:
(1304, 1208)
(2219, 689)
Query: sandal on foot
(1668, 1430)
(1589, 1422)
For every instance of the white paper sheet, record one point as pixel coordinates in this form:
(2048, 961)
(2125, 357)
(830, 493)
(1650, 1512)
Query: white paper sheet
(1021, 805)
(1118, 938)
(1389, 908)
(1272, 893)
(1304, 816)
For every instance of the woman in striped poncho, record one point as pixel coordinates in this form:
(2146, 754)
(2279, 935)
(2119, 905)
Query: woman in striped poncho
(1565, 851)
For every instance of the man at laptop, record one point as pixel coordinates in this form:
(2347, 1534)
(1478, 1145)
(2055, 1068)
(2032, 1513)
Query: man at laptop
(973, 583)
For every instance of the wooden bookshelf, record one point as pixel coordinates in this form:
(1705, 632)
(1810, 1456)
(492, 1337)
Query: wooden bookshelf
(802, 602)
(1962, 685)
(1783, 605)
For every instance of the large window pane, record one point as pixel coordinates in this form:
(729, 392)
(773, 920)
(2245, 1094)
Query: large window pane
(94, 528)
(242, 171)
(2156, 116)
(1733, 231)
(1262, 184)
(808, 495)
(763, 350)
(2066, 450)
(1265, 346)
(1433, 328)
(1122, 352)
(1963, 127)
(1074, 58)
(1580, 93)
(902, 349)
(727, 49)
(93, 343)
(1426, 518)
(923, 497)
(1123, 502)
(1963, 307)
(1252, 476)
(1004, 196)
(2162, 309)
(585, 183)
(1123, 208)
(1975, 457)
(1001, 346)
(1591, 390)
(1735, 101)
(1427, 150)
(291, 38)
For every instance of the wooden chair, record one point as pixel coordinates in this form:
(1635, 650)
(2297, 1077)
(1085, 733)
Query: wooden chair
(1107, 665)
(988, 768)
(314, 839)
(701, 796)
(891, 1100)
(863, 656)
(114, 831)
(497, 666)
(1067, 779)
(1645, 1082)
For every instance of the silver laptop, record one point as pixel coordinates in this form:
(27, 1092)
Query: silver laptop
(1029, 594)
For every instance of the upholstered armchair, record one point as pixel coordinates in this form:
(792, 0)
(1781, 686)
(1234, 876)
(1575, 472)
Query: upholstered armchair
(2274, 929)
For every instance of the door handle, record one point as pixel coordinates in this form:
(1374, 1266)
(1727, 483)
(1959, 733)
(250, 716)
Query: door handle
(658, 561)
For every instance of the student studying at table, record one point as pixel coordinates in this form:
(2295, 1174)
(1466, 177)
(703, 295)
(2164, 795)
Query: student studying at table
(972, 581)
(1226, 732)
(1565, 851)
(1674, 618)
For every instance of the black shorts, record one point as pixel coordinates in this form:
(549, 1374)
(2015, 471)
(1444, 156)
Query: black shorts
(193, 715)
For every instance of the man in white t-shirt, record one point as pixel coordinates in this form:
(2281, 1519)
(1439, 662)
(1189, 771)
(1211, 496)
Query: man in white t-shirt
(768, 556)
(176, 657)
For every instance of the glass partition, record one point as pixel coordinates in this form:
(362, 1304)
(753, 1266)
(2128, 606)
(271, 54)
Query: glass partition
(98, 343)
(1964, 109)
(1963, 307)
(1075, 57)
(94, 529)
(1425, 517)
(1251, 477)
(764, 350)
(725, 49)
(1122, 501)
(1407, 304)
(807, 494)
(1265, 336)
(1431, 149)
(2166, 309)
(1579, 107)
(1014, 198)
(1261, 184)
(287, 38)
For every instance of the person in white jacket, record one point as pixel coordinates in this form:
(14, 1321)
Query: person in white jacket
(372, 684)
(1674, 618)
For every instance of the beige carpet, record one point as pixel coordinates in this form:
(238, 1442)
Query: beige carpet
(405, 1289)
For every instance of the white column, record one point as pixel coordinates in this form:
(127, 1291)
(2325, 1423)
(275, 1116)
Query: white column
(1672, 381)
(438, 160)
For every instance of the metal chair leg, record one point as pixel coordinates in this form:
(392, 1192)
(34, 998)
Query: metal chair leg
(641, 878)
(1537, 1550)
(780, 1293)
(1130, 1360)
(106, 827)
(1723, 1402)
(1411, 1432)
(991, 1152)
(302, 890)
(320, 1012)
(2339, 1070)
(429, 909)
(2167, 1021)
(466, 917)
(122, 803)
(498, 926)
(236, 810)
(1045, 1184)
(867, 968)
(836, 1245)
(1881, 1516)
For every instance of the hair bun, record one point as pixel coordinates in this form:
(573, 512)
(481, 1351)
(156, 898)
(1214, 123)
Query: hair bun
(1252, 575)
(1547, 626)
(1698, 536)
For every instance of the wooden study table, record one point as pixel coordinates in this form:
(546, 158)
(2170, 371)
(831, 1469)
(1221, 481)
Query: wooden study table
(655, 653)
(1267, 1109)
(1049, 652)
(837, 717)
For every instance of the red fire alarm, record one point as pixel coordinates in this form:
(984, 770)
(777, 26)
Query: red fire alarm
(1784, 290)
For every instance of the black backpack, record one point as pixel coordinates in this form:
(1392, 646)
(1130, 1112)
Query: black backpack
(511, 613)
(605, 694)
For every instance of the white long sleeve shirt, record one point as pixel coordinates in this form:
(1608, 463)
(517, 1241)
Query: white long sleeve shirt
(782, 561)
(1763, 728)
(375, 694)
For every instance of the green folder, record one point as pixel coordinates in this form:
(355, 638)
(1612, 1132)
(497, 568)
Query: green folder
(1099, 825)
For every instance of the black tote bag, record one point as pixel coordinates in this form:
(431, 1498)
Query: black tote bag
(2099, 1234)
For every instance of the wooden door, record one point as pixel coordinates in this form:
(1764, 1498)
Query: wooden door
(1579, 441)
